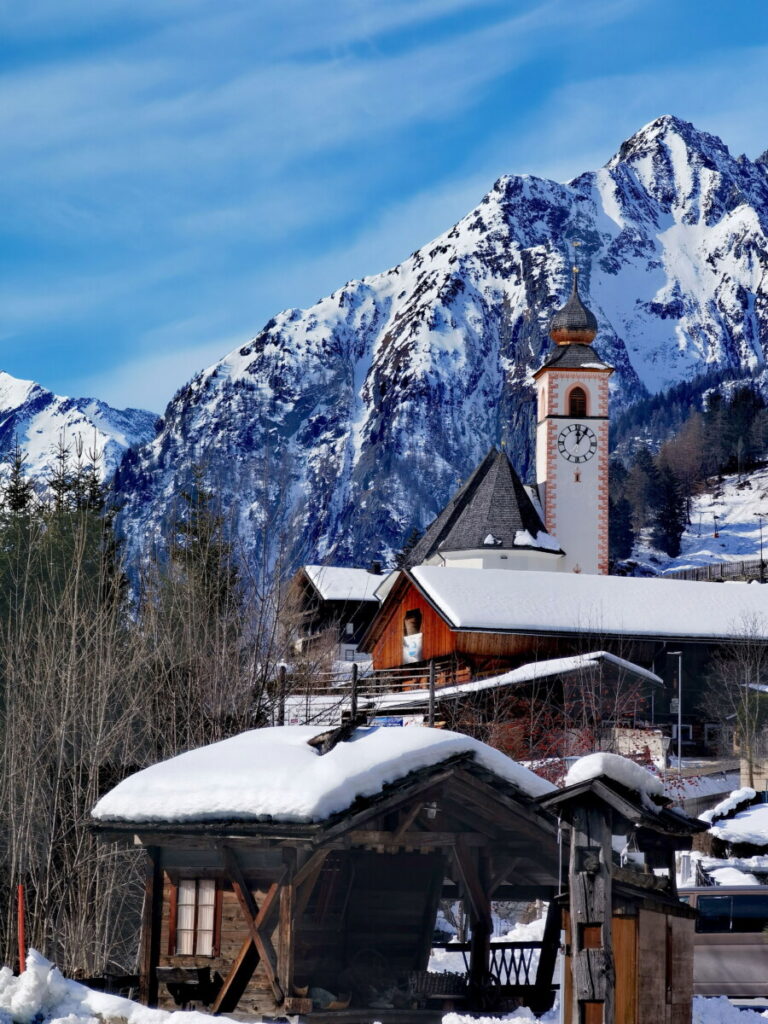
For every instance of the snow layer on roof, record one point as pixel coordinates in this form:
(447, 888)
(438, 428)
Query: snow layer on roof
(275, 774)
(727, 806)
(620, 769)
(546, 601)
(524, 539)
(748, 826)
(337, 584)
(518, 676)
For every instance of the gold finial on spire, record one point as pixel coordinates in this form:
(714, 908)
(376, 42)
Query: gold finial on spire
(574, 324)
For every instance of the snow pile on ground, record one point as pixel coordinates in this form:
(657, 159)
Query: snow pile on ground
(521, 1016)
(720, 1011)
(727, 806)
(42, 994)
(620, 769)
(705, 1011)
(275, 774)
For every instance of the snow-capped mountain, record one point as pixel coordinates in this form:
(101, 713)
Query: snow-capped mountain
(38, 419)
(356, 418)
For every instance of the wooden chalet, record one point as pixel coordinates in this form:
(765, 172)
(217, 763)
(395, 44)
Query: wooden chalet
(473, 623)
(629, 938)
(291, 872)
(335, 604)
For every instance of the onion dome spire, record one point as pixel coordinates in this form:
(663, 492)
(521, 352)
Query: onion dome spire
(574, 324)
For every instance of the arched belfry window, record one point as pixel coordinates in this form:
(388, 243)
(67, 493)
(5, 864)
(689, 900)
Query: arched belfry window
(577, 402)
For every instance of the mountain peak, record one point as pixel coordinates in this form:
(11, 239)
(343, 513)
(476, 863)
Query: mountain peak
(38, 419)
(663, 131)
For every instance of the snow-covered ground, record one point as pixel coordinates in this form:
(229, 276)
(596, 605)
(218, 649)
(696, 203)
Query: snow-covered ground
(41, 995)
(735, 503)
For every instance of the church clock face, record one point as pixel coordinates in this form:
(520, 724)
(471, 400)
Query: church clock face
(577, 443)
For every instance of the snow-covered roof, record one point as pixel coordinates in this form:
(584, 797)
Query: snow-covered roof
(627, 773)
(748, 825)
(497, 599)
(334, 583)
(492, 509)
(274, 774)
(524, 674)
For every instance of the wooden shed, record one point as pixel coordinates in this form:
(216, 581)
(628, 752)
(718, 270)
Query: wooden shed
(296, 873)
(629, 938)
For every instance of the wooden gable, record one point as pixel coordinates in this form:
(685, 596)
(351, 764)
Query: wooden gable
(385, 637)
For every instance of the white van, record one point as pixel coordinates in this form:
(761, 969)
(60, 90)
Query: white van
(731, 942)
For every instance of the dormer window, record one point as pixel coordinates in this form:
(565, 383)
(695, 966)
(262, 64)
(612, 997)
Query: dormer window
(412, 623)
(577, 402)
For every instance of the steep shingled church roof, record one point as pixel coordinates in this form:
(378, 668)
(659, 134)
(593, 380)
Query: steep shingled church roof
(491, 510)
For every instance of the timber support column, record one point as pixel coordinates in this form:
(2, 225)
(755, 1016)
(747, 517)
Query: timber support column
(589, 877)
(150, 928)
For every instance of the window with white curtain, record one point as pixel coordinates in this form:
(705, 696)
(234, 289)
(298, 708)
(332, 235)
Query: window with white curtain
(195, 916)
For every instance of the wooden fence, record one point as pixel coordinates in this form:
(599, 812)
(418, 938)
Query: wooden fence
(718, 572)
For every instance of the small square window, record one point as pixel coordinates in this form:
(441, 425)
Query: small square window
(349, 655)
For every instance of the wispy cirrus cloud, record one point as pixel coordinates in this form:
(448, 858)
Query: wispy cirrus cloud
(177, 172)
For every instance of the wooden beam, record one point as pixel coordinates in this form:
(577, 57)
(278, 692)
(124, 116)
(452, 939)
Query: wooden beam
(152, 915)
(407, 820)
(545, 994)
(473, 887)
(590, 886)
(352, 821)
(236, 981)
(256, 918)
(417, 840)
(308, 882)
(285, 940)
(308, 867)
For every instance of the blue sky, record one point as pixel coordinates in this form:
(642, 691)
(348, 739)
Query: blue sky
(174, 172)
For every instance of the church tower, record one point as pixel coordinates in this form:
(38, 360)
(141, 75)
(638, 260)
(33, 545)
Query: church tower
(572, 439)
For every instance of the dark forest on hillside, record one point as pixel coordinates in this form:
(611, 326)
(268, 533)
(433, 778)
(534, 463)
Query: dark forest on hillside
(666, 448)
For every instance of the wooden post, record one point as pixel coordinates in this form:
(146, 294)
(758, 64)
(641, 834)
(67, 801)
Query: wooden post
(590, 913)
(353, 693)
(431, 718)
(286, 939)
(482, 928)
(20, 929)
(281, 673)
(150, 928)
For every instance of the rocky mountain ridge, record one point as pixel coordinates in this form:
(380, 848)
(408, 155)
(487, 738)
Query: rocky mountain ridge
(39, 420)
(348, 423)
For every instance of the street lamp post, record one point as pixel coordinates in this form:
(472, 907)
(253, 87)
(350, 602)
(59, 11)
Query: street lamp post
(760, 516)
(679, 656)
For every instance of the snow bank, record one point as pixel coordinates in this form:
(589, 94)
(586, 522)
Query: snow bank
(620, 769)
(705, 1011)
(275, 774)
(42, 994)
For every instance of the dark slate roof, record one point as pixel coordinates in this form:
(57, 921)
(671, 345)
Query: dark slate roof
(569, 357)
(574, 322)
(492, 502)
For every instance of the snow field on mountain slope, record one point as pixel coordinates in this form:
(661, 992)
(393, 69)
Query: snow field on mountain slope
(735, 503)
